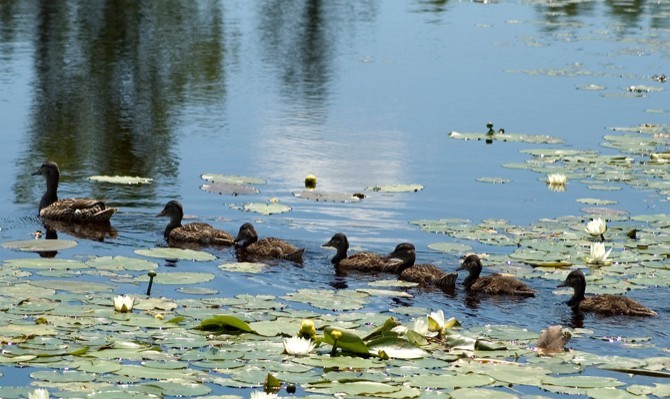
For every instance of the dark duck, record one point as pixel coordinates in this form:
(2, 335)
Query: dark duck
(198, 234)
(605, 305)
(77, 210)
(249, 247)
(494, 284)
(369, 261)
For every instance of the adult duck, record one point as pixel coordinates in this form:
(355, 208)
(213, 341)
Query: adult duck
(249, 247)
(200, 234)
(78, 210)
(606, 304)
(494, 284)
(402, 255)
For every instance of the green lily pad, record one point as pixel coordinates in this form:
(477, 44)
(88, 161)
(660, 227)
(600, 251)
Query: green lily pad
(198, 290)
(122, 179)
(328, 299)
(229, 189)
(396, 348)
(39, 245)
(450, 247)
(266, 209)
(582, 381)
(396, 188)
(481, 393)
(493, 180)
(348, 340)
(231, 179)
(322, 196)
(445, 381)
(46, 264)
(74, 286)
(117, 263)
(176, 254)
(178, 278)
(244, 267)
(365, 388)
(506, 137)
(595, 201)
(224, 324)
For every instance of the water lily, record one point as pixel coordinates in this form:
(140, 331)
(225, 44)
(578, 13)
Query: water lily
(557, 179)
(598, 254)
(263, 395)
(298, 346)
(597, 227)
(421, 326)
(39, 393)
(123, 303)
(436, 321)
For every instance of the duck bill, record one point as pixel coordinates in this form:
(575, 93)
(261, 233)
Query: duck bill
(328, 244)
(37, 172)
(563, 284)
(162, 213)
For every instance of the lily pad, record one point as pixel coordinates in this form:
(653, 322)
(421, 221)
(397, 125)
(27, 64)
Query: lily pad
(39, 245)
(244, 267)
(74, 286)
(178, 278)
(229, 189)
(322, 196)
(266, 209)
(450, 247)
(396, 188)
(47, 264)
(224, 324)
(348, 340)
(117, 263)
(231, 179)
(493, 180)
(122, 179)
(176, 254)
(395, 347)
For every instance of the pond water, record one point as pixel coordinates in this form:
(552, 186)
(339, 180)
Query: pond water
(359, 94)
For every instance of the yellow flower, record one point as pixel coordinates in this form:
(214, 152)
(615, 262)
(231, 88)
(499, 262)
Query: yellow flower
(39, 393)
(307, 329)
(298, 346)
(596, 227)
(123, 303)
(598, 254)
(336, 334)
(310, 182)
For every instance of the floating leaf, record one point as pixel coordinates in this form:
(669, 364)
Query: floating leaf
(481, 393)
(118, 263)
(365, 388)
(244, 267)
(445, 381)
(322, 196)
(328, 299)
(121, 179)
(493, 180)
(506, 137)
(74, 286)
(582, 381)
(231, 179)
(266, 209)
(39, 245)
(395, 347)
(224, 324)
(450, 247)
(229, 189)
(595, 201)
(176, 253)
(396, 188)
(348, 340)
(178, 278)
(47, 264)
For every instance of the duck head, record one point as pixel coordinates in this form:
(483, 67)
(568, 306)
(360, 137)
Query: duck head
(473, 265)
(405, 254)
(246, 236)
(49, 170)
(341, 244)
(175, 212)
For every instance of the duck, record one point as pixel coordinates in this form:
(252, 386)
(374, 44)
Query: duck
(494, 284)
(201, 234)
(249, 247)
(429, 275)
(77, 210)
(370, 262)
(604, 305)
(553, 340)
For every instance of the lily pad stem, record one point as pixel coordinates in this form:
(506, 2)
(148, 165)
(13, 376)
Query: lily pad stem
(333, 352)
(151, 274)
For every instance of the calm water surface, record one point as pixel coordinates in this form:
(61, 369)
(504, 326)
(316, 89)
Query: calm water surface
(358, 93)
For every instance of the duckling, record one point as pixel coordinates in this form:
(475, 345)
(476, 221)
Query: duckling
(494, 284)
(605, 305)
(368, 261)
(428, 275)
(78, 210)
(249, 247)
(192, 233)
(553, 340)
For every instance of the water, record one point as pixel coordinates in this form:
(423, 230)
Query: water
(358, 94)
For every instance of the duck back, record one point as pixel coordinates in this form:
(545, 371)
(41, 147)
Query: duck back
(271, 248)
(428, 275)
(611, 305)
(78, 210)
(499, 284)
(200, 233)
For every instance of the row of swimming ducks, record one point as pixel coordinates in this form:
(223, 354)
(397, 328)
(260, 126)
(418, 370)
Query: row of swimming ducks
(400, 262)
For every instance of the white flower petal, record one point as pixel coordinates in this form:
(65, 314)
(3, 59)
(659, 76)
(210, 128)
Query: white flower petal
(39, 393)
(298, 346)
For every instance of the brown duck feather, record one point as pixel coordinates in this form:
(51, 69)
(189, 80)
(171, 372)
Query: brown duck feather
(200, 234)
(605, 305)
(494, 284)
(249, 247)
(428, 275)
(77, 210)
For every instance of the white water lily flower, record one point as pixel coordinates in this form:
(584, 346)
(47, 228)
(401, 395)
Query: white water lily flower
(598, 253)
(39, 393)
(559, 188)
(557, 179)
(263, 395)
(436, 321)
(123, 303)
(596, 227)
(298, 346)
(421, 326)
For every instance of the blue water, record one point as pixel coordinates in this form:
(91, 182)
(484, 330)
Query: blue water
(357, 94)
